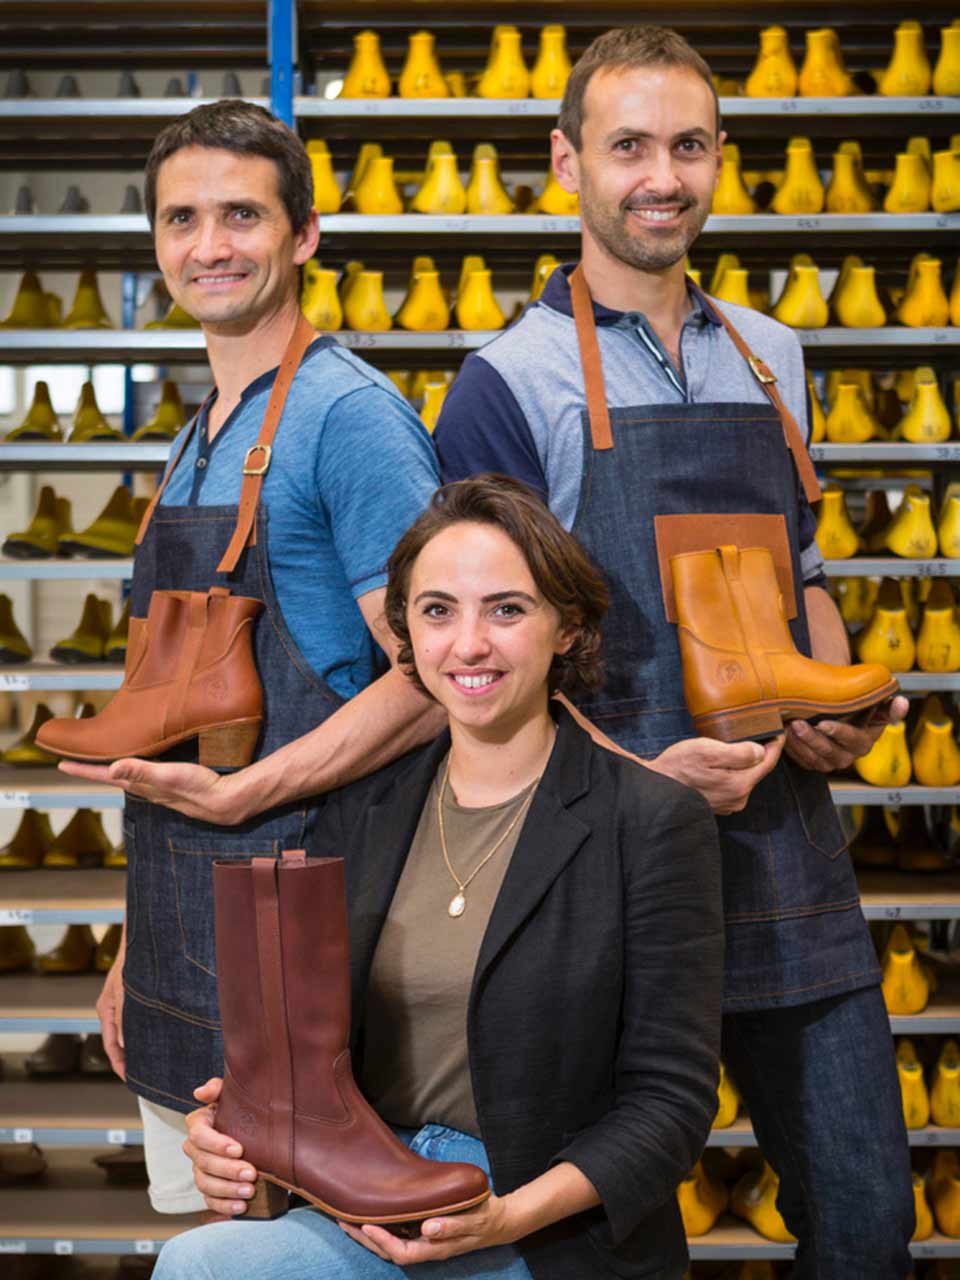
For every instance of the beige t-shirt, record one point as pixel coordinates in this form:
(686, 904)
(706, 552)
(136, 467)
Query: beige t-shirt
(415, 1067)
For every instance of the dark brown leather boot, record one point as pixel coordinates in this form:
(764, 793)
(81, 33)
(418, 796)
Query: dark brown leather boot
(190, 673)
(59, 1055)
(93, 1057)
(289, 1095)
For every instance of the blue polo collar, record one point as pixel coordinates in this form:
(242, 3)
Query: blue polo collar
(556, 294)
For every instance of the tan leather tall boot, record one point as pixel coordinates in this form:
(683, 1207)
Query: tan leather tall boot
(288, 1093)
(742, 674)
(190, 673)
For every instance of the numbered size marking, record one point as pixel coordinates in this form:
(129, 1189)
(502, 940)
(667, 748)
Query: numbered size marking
(117, 1137)
(13, 1246)
(17, 915)
(63, 1247)
(14, 799)
(14, 683)
(23, 1135)
(144, 1246)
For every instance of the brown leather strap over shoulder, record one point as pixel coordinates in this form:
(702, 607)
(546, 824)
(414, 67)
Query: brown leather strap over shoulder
(791, 432)
(600, 430)
(258, 456)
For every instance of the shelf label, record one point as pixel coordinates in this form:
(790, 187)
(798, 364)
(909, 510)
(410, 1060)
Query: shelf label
(16, 915)
(62, 1247)
(23, 1135)
(144, 1246)
(13, 1246)
(519, 107)
(117, 1137)
(808, 224)
(930, 104)
(894, 797)
(932, 569)
(371, 107)
(366, 340)
(14, 683)
(14, 799)
(891, 913)
(455, 224)
(947, 453)
(808, 337)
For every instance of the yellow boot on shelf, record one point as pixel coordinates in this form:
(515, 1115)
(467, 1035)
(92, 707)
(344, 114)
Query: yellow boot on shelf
(924, 1228)
(755, 1199)
(938, 644)
(955, 304)
(908, 72)
(946, 74)
(725, 262)
(364, 307)
(856, 598)
(913, 1090)
(369, 151)
(112, 533)
(731, 196)
(442, 192)
(836, 536)
(506, 74)
(927, 421)
(30, 309)
(912, 534)
(945, 1093)
(107, 949)
(887, 763)
(434, 394)
(116, 859)
(818, 419)
(848, 191)
(945, 192)
(89, 423)
(863, 379)
(544, 268)
(801, 190)
(13, 644)
(88, 311)
(906, 982)
(485, 192)
(802, 305)
(87, 643)
(734, 287)
(823, 74)
(326, 193)
(849, 420)
(81, 844)
(424, 309)
(948, 526)
(910, 190)
(421, 76)
(555, 201)
(54, 311)
(946, 1165)
(855, 299)
(728, 1101)
(73, 953)
(376, 192)
(175, 318)
(774, 73)
(367, 75)
(946, 1205)
(477, 308)
(16, 949)
(887, 638)
(925, 304)
(28, 844)
(873, 538)
(115, 650)
(351, 274)
(41, 538)
(319, 300)
(701, 1201)
(41, 423)
(551, 71)
(936, 757)
(472, 262)
(168, 419)
(874, 845)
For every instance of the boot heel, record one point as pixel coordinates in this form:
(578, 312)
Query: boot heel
(737, 725)
(229, 747)
(268, 1201)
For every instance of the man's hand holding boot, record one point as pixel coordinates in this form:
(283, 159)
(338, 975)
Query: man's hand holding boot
(835, 744)
(725, 773)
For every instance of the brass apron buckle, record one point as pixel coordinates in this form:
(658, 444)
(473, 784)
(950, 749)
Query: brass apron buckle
(760, 370)
(249, 469)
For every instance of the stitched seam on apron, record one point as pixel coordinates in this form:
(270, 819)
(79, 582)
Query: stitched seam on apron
(153, 1089)
(792, 913)
(176, 1013)
(790, 991)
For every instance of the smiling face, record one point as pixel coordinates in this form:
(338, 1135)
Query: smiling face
(223, 239)
(648, 163)
(483, 635)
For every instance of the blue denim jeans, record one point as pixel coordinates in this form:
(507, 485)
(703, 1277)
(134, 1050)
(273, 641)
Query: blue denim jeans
(307, 1245)
(821, 1084)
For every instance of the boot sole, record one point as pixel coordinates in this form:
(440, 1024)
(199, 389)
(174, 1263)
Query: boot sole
(229, 745)
(759, 720)
(267, 1203)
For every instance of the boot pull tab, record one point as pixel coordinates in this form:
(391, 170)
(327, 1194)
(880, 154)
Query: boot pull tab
(730, 559)
(219, 591)
(293, 858)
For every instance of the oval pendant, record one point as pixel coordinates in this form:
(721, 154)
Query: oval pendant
(457, 906)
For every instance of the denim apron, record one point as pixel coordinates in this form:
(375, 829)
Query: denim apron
(794, 929)
(170, 1014)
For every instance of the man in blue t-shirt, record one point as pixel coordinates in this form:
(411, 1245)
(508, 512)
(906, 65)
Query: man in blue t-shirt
(229, 197)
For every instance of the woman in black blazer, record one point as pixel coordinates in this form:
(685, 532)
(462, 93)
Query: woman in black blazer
(593, 1015)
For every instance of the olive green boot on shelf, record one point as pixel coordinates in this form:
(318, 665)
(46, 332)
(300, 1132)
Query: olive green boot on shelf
(82, 843)
(112, 534)
(31, 840)
(13, 644)
(25, 752)
(42, 537)
(73, 953)
(88, 642)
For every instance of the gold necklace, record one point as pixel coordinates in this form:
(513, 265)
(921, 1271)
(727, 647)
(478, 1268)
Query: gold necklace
(458, 903)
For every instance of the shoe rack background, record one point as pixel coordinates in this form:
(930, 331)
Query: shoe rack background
(99, 142)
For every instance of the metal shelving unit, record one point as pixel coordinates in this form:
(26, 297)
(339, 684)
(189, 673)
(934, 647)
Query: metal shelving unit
(891, 567)
(83, 457)
(50, 675)
(23, 570)
(48, 788)
(62, 897)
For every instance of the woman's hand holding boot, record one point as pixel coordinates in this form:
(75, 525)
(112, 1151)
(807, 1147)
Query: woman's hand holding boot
(223, 1179)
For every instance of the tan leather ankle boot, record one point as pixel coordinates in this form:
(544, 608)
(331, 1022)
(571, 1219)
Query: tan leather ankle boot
(190, 673)
(288, 1092)
(742, 674)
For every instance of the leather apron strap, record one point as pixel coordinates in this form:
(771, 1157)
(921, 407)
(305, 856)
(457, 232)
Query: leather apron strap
(599, 414)
(245, 533)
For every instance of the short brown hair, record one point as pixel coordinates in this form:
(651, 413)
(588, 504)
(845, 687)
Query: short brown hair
(234, 125)
(620, 49)
(560, 567)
